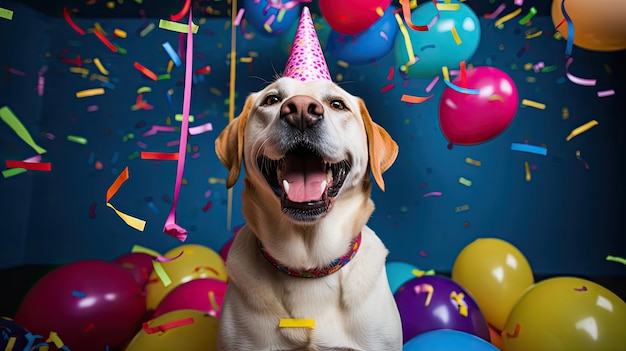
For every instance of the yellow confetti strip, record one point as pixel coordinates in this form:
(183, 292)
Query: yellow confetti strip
(6, 14)
(119, 33)
(80, 70)
(533, 35)
(101, 68)
(455, 35)
(144, 90)
(12, 121)
(448, 7)
(89, 92)
(99, 28)
(527, 168)
(407, 43)
(296, 323)
(511, 15)
(213, 301)
(534, 104)
(95, 76)
(472, 162)
(245, 59)
(177, 27)
(54, 338)
(179, 117)
(585, 127)
(465, 181)
(10, 342)
(213, 180)
(565, 113)
(419, 273)
(459, 299)
(462, 208)
(343, 64)
(161, 273)
(444, 71)
(134, 222)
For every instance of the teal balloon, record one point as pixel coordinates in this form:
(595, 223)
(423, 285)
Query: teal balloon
(447, 340)
(322, 28)
(437, 46)
(399, 273)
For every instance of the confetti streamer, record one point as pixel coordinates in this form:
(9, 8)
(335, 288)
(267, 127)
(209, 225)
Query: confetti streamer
(172, 53)
(446, 80)
(534, 104)
(68, 19)
(170, 227)
(207, 127)
(573, 78)
(177, 27)
(616, 259)
(539, 150)
(32, 166)
(415, 99)
(105, 41)
(407, 43)
(133, 222)
(406, 12)
(425, 288)
(585, 127)
(296, 323)
(6, 13)
(89, 92)
(183, 11)
(508, 17)
(146, 72)
(164, 156)
(570, 30)
(12, 121)
(531, 14)
(166, 326)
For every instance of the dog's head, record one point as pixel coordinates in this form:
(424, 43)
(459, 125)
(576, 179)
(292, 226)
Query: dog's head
(307, 143)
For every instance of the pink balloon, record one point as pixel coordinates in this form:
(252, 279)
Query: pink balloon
(469, 119)
(194, 295)
(90, 304)
(352, 16)
(224, 250)
(138, 264)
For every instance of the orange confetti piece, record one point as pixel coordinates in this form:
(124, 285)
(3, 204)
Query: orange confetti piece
(415, 99)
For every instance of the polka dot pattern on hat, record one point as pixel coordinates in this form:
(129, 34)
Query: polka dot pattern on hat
(306, 61)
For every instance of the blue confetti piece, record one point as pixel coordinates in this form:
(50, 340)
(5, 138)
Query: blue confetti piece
(116, 156)
(78, 293)
(153, 207)
(108, 85)
(172, 53)
(539, 150)
(91, 158)
(460, 89)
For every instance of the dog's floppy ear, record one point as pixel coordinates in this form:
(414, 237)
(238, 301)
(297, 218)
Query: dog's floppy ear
(229, 144)
(382, 149)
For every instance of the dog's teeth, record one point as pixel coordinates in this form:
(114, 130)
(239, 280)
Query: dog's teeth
(286, 186)
(323, 185)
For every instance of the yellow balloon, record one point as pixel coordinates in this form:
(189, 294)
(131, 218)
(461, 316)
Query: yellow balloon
(196, 262)
(567, 314)
(496, 274)
(200, 335)
(598, 24)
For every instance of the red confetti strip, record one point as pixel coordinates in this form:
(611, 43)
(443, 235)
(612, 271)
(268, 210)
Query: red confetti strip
(92, 211)
(406, 12)
(391, 72)
(165, 156)
(182, 12)
(207, 206)
(165, 326)
(463, 75)
(387, 87)
(148, 73)
(203, 70)
(422, 253)
(105, 41)
(33, 166)
(69, 21)
(515, 332)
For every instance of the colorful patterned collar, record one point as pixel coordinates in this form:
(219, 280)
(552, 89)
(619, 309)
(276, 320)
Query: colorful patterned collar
(316, 272)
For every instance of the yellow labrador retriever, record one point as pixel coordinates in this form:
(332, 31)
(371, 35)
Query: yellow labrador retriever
(306, 273)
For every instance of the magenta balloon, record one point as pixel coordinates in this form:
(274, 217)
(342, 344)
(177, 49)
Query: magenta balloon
(427, 303)
(194, 295)
(469, 119)
(90, 304)
(138, 264)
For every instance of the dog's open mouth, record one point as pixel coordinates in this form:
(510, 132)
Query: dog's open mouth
(304, 181)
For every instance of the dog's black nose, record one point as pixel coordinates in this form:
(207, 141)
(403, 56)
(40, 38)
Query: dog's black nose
(301, 111)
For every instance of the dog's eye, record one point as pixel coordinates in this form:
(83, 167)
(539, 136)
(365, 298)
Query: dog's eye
(271, 100)
(338, 105)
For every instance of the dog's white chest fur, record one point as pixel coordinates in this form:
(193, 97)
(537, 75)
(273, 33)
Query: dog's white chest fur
(351, 311)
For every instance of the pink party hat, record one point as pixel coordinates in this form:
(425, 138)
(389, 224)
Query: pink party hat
(306, 61)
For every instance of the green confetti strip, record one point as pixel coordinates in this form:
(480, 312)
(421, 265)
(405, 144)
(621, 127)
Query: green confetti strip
(9, 118)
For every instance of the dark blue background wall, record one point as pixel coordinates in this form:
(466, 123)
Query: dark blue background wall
(566, 220)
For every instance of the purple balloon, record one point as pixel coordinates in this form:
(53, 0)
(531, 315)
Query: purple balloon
(90, 304)
(434, 302)
(138, 264)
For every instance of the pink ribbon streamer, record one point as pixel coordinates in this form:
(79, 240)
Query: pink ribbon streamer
(170, 227)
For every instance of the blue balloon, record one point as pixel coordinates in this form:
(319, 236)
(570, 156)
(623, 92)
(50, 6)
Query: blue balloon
(259, 12)
(447, 340)
(438, 46)
(399, 273)
(367, 46)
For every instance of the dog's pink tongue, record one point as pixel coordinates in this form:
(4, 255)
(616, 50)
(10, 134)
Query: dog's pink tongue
(305, 176)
